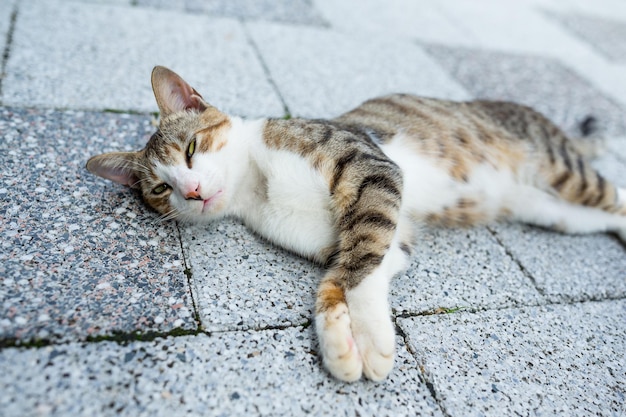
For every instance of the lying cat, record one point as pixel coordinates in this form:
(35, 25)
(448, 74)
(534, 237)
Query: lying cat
(348, 192)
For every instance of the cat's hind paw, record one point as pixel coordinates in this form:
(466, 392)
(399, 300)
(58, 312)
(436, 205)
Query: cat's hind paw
(339, 350)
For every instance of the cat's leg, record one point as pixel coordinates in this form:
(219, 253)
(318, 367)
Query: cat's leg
(353, 319)
(355, 331)
(538, 207)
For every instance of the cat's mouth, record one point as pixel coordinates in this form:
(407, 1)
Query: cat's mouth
(209, 202)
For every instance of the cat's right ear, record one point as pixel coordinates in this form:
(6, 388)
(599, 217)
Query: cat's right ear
(115, 166)
(173, 94)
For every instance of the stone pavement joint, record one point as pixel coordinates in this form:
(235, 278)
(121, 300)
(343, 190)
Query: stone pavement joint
(521, 266)
(266, 70)
(8, 40)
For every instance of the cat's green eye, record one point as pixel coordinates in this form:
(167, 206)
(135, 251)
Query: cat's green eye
(191, 149)
(159, 189)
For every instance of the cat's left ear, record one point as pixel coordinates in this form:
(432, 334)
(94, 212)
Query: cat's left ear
(119, 167)
(173, 94)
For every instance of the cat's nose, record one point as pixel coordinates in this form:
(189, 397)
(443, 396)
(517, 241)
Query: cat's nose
(193, 195)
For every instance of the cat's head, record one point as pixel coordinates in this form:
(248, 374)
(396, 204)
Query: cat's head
(181, 172)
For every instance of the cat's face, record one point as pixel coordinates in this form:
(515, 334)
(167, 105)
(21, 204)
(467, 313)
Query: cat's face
(187, 175)
(182, 172)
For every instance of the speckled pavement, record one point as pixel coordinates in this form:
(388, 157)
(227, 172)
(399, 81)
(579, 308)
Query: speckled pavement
(107, 311)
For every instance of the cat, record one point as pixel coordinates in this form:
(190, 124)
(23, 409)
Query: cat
(350, 192)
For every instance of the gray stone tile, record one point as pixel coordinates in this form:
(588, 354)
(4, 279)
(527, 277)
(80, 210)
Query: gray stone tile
(609, 9)
(321, 73)
(550, 360)
(542, 83)
(80, 256)
(294, 12)
(566, 267)
(519, 26)
(243, 282)
(93, 56)
(273, 373)
(111, 2)
(607, 36)
(611, 162)
(461, 268)
(617, 146)
(418, 19)
(6, 11)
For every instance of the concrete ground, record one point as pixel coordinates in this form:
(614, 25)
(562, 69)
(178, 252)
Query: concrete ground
(104, 310)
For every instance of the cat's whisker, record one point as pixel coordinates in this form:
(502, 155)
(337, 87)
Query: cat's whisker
(170, 215)
(139, 181)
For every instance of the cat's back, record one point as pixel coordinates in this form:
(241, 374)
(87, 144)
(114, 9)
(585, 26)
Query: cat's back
(390, 114)
(424, 118)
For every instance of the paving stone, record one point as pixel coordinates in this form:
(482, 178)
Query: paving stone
(606, 35)
(617, 146)
(609, 9)
(6, 14)
(321, 73)
(611, 161)
(464, 268)
(243, 282)
(572, 268)
(423, 20)
(76, 257)
(93, 56)
(112, 2)
(273, 373)
(6, 11)
(568, 268)
(294, 12)
(542, 83)
(527, 27)
(552, 360)
(519, 26)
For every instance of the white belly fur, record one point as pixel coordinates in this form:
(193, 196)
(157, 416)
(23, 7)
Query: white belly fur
(428, 188)
(296, 213)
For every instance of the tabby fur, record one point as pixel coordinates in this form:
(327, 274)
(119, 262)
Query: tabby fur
(350, 192)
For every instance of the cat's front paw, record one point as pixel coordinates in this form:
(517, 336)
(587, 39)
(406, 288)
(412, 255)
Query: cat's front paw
(339, 350)
(376, 343)
(351, 348)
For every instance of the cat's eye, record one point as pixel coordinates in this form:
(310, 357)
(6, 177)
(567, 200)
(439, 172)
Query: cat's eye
(191, 149)
(159, 189)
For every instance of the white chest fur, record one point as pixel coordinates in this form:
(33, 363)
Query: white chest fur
(290, 204)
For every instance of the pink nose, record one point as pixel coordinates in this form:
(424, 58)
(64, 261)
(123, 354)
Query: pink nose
(193, 195)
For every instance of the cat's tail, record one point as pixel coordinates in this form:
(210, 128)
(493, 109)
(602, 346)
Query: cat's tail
(588, 140)
(570, 175)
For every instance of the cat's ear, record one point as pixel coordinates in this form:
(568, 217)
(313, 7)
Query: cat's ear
(115, 166)
(173, 94)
